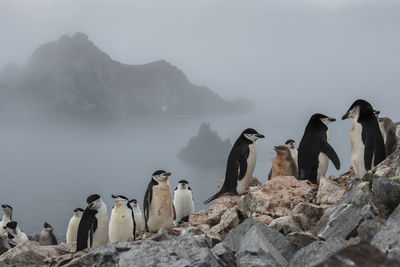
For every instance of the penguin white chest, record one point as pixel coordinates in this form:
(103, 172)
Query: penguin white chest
(183, 203)
(357, 149)
(72, 231)
(100, 236)
(161, 213)
(243, 184)
(121, 224)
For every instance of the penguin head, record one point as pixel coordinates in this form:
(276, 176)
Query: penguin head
(251, 134)
(11, 227)
(78, 212)
(161, 176)
(183, 184)
(7, 209)
(120, 200)
(385, 123)
(281, 150)
(47, 227)
(94, 202)
(291, 144)
(318, 118)
(357, 108)
(133, 203)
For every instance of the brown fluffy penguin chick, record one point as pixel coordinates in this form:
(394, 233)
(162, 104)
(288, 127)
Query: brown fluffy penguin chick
(283, 164)
(388, 130)
(46, 237)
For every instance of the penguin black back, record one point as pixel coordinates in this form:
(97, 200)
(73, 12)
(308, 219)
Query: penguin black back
(133, 217)
(86, 228)
(148, 196)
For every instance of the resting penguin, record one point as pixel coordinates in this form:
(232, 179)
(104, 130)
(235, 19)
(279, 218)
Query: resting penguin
(159, 211)
(93, 227)
(388, 130)
(367, 145)
(46, 237)
(315, 150)
(137, 213)
(240, 165)
(73, 224)
(283, 164)
(14, 233)
(291, 144)
(122, 222)
(183, 201)
(7, 217)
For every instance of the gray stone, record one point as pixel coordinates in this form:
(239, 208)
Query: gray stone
(387, 193)
(301, 239)
(367, 229)
(233, 239)
(387, 239)
(4, 246)
(316, 252)
(359, 255)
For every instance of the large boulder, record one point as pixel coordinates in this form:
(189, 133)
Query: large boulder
(4, 246)
(330, 190)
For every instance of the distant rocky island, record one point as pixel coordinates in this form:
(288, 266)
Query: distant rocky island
(72, 75)
(206, 148)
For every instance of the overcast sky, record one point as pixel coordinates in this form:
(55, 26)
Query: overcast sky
(319, 54)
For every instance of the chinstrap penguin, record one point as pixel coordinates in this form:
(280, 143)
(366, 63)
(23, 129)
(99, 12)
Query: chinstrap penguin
(14, 233)
(72, 231)
(158, 208)
(291, 144)
(7, 217)
(47, 237)
(183, 201)
(138, 216)
(388, 130)
(240, 165)
(283, 164)
(93, 227)
(367, 145)
(315, 150)
(122, 223)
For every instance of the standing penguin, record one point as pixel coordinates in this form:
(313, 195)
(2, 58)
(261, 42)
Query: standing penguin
(7, 217)
(183, 201)
(137, 213)
(46, 237)
(291, 144)
(93, 227)
(72, 231)
(14, 233)
(159, 211)
(388, 130)
(122, 221)
(241, 164)
(315, 150)
(367, 145)
(283, 164)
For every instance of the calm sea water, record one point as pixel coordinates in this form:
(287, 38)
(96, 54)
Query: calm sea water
(48, 169)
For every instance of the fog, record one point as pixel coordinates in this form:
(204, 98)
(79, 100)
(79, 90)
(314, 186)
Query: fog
(290, 58)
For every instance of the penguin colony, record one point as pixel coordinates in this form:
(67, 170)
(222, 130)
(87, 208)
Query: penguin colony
(372, 139)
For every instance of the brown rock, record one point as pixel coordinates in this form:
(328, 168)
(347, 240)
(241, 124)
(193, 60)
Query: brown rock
(330, 191)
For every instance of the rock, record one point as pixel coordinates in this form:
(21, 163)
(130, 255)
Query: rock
(303, 217)
(229, 220)
(387, 239)
(330, 191)
(342, 220)
(386, 194)
(255, 244)
(367, 229)
(301, 239)
(359, 255)
(189, 249)
(4, 246)
(316, 252)
(31, 253)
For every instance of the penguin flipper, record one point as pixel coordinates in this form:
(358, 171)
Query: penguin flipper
(173, 207)
(85, 226)
(217, 195)
(328, 150)
(269, 174)
(368, 151)
(148, 196)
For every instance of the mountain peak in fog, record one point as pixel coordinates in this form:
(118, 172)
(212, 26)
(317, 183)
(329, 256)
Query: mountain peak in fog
(72, 75)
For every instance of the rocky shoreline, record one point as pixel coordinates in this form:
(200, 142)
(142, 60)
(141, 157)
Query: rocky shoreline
(286, 222)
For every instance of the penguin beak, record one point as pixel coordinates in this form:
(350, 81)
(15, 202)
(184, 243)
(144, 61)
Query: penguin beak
(275, 148)
(113, 196)
(260, 136)
(345, 116)
(331, 119)
(168, 174)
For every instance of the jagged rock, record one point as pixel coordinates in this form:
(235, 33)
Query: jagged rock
(303, 217)
(386, 194)
(31, 253)
(301, 239)
(342, 219)
(367, 229)
(4, 246)
(229, 220)
(387, 239)
(330, 191)
(189, 249)
(359, 256)
(316, 252)
(255, 244)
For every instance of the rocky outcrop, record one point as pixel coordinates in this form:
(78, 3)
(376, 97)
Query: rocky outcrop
(206, 148)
